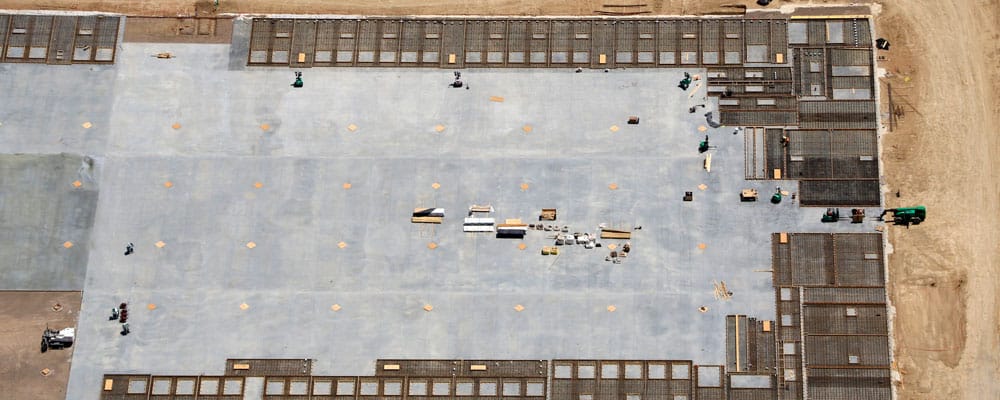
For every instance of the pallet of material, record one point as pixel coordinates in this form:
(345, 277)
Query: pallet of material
(426, 220)
(615, 234)
(428, 212)
(480, 221)
(512, 229)
(548, 214)
(485, 209)
(478, 228)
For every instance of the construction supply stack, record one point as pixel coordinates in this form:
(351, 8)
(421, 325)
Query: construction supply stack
(427, 215)
(479, 219)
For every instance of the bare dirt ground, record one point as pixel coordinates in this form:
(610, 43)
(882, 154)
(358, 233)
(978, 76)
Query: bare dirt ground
(23, 317)
(943, 67)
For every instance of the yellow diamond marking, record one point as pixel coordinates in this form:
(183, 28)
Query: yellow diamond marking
(702, 246)
(524, 186)
(352, 127)
(176, 125)
(335, 307)
(87, 125)
(428, 307)
(702, 186)
(347, 186)
(68, 244)
(341, 244)
(168, 184)
(432, 245)
(436, 185)
(265, 127)
(439, 128)
(522, 246)
(151, 306)
(702, 128)
(258, 185)
(518, 308)
(251, 245)
(612, 246)
(613, 186)
(244, 306)
(614, 128)
(612, 308)
(527, 128)
(77, 183)
(160, 244)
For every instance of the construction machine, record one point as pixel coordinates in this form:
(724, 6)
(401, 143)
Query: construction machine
(831, 215)
(60, 339)
(703, 145)
(906, 215)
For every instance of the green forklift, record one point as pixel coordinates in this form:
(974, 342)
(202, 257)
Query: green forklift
(906, 215)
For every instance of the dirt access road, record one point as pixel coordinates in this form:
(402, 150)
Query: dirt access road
(943, 65)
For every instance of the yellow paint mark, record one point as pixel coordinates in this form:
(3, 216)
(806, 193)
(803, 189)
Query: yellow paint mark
(614, 128)
(251, 245)
(151, 306)
(265, 127)
(341, 244)
(702, 246)
(432, 245)
(612, 308)
(335, 307)
(258, 185)
(524, 186)
(496, 99)
(522, 246)
(702, 186)
(168, 184)
(160, 244)
(518, 308)
(176, 125)
(244, 306)
(428, 307)
(436, 185)
(527, 128)
(68, 244)
(612, 246)
(77, 183)
(702, 128)
(87, 125)
(613, 186)
(352, 127)
(347, 185)
(439, 128)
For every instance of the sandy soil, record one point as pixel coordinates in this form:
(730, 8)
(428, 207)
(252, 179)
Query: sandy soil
(23, 317)
(943, 67)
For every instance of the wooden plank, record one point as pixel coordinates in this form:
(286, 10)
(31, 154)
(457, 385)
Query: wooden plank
(615, 234)
(777, 173)
(602, 59)
(390, 367)
(241, 366)
(497, 99)
(109, 384)
(427, 220)
(451, 59)
(302, 57)
(767, 326)
(477, 367)
(783, 238)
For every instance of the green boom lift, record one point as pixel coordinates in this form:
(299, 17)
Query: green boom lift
(906, 215)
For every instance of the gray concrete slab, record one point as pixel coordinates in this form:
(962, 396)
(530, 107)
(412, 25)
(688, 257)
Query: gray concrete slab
(386, 273)
(45, 220)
